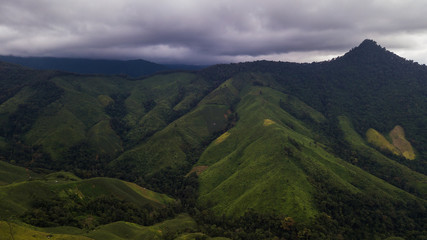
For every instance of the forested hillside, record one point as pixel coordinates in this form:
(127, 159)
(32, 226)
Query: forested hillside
(257, 150)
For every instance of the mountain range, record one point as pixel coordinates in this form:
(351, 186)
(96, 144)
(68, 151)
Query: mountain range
(256, 150)
(130, 68)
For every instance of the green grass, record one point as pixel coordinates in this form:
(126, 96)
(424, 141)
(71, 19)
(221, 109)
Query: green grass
(249, 170)
(195, 236)
(159, 87)
(163, 230)
(104, 138)
(350, 135)
(181, 136)
(191, 236)
(301, 110)
(267, 158)
(161, 199)
(18, 193)
(79, 114)
(94, 187)
(164, 90)
(57, 133)
(16, 198)
(61, 176)
(14, 231)
(146, 124)
(182, 225)
(10, 174)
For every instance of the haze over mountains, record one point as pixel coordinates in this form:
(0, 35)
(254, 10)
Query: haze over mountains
(132, 68)
(256, 150)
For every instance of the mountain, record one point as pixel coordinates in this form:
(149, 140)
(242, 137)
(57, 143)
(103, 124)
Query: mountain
(132, 68)
(257, 150)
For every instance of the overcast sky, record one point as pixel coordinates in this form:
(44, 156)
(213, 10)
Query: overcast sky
(213, 31)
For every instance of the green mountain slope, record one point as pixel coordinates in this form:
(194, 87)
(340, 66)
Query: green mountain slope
(185, 137)
(25, 197)
(169, 229)
(18, 232)
(20, 196)
(100, 115)
(10, 174)
(251, 161)
(270, 162)
(163, 230)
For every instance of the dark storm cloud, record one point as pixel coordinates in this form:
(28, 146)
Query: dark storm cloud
(197, 31)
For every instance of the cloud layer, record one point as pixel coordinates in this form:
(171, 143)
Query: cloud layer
(205, 32)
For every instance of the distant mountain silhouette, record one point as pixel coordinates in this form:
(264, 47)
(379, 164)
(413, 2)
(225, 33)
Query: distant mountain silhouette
(132, 68)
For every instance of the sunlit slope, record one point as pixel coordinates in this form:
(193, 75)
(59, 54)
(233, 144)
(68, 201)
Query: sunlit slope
(76, 117)
(397, 135)
(11, 174)
(14, 231)
(84, 110)
(398, 146)
(248, 166)
(182, 227)
(377, 139)
(168, 229)
(158, 100)
(16, 198)
(271, 162)
(164, 230)
(178, 143)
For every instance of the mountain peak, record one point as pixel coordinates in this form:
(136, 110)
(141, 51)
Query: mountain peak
(369, 43)
(369, 46)
(370, 52)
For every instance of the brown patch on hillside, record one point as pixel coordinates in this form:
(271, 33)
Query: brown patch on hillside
(378, 140)
(221, 138)
(198, 170)
(398, 145)
(105, 100)
(398, 139)
(268, 122)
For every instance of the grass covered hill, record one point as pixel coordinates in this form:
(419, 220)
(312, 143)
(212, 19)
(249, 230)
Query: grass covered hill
(60, 205)
(26, 190)
(257, 150)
